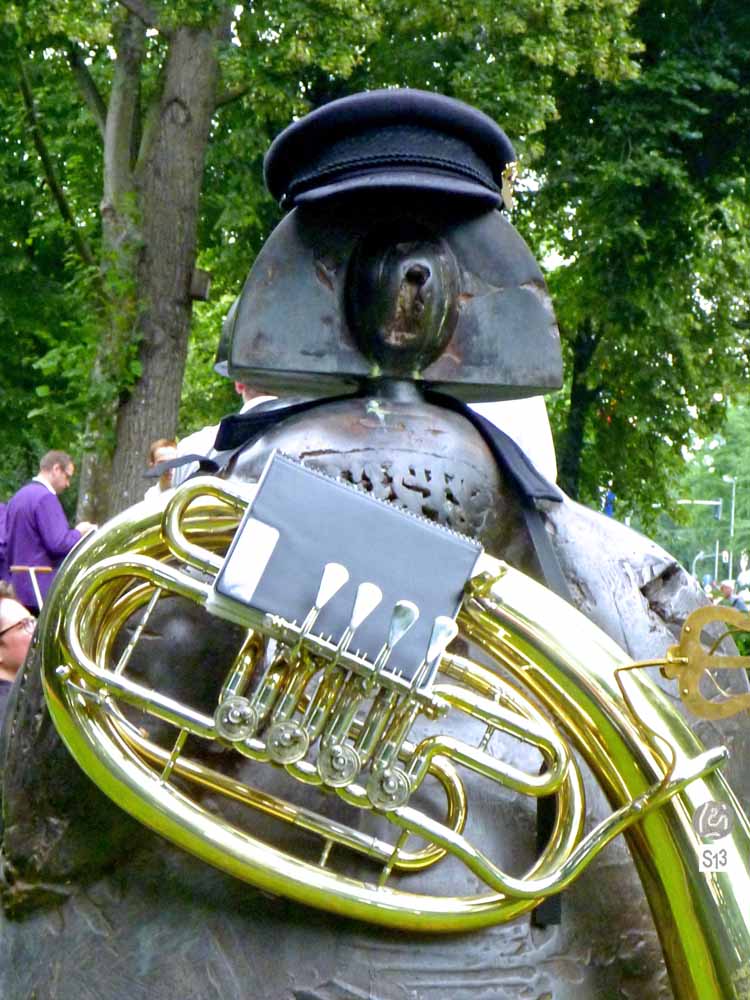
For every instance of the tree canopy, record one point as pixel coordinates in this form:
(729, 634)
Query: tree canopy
(711, 516)
(644, 197)
(131, 162)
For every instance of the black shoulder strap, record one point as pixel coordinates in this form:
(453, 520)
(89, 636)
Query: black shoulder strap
(241, 429)
(205, 465)
(530, 486)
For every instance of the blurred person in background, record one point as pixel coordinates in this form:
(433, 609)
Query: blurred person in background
(201, 442)
(728, 596)
(161, 450)
(4, 571)
(37, 530)
(743, 578)
(16, 629)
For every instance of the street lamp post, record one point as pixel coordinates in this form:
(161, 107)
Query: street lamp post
(733, 481)
(717, 505)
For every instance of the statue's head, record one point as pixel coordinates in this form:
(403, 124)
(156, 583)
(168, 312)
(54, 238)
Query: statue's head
(395, 259)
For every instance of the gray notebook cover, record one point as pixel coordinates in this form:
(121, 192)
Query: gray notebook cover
(301, 519)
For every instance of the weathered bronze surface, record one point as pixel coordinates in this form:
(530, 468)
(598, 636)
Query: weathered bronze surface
(292, 330)
(402, 298)
(401, 449)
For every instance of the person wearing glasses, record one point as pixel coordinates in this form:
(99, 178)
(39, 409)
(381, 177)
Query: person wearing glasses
(37, 530)
(16, 629)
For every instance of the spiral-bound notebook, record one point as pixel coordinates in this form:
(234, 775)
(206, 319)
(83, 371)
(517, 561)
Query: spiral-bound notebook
(301, 519)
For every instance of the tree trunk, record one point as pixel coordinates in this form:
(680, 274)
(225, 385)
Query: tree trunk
(156, 213)
(581, 399)
(169, 183)
(121, 240)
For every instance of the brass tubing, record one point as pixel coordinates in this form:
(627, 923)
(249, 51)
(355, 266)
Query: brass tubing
(128, 651)
(578, 682)
(230, 494)
(150, 701)
(135, 694)
(537, 734)
(298, 675)
(116, 613)
(350, 698)
(570, 668)
(362, 798)
(243, 667)
(585, 851)
(185, 821)
(398, 729)
(270, 687)
(322, 703)
(377, 719)
(481, 763)
(372, 847)
(271, 805)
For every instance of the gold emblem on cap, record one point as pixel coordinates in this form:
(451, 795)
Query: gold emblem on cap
(509, 176)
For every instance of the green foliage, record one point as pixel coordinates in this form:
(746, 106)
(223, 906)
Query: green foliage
(205, 396)
(687, 529)
(507, 60)
(46, 331)
(652, 294)
(635, 137)
(463, 51)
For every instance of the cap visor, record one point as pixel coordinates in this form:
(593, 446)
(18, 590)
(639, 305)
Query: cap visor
(406, 180)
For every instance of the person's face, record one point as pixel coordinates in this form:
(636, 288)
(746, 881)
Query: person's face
(60, 477)
(16, 629)
(726, 590)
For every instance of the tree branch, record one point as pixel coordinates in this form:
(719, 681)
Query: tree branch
(223, 27)
(81, 245)
(87, 86)
(142, 10)
(123, 109)
(229, 95)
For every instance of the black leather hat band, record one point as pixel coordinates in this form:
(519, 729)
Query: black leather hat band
(369, 164)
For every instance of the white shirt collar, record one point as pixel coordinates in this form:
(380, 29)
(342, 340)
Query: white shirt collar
(38, 479)
(255, 401)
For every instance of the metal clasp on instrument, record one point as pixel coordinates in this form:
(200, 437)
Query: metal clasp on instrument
(689, 662)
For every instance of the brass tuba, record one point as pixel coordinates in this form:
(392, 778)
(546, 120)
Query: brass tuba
(369, 778)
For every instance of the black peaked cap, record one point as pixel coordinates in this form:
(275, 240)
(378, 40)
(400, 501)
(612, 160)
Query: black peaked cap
(389, 139)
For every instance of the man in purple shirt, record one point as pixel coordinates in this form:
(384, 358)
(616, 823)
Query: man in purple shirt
(4, 571)
(37, 530)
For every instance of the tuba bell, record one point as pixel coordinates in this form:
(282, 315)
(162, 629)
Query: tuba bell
(316, 773)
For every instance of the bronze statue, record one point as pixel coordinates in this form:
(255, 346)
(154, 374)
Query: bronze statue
(375, 805)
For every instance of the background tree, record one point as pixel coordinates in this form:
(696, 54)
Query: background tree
(44, 295)
(168, 108)
(643, 196)
(152, 79)
(172, 87)
(711, 465)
